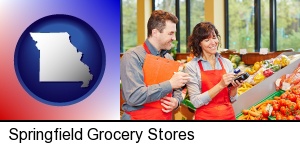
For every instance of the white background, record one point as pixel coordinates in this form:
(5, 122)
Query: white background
(205, 133)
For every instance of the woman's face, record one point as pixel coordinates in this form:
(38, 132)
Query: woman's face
(210, 45)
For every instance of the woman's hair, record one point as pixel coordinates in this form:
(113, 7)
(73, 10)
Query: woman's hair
(158, 20)
(201, 31)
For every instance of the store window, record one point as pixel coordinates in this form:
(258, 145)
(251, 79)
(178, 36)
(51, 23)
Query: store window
(265, 24)
(190, 13)
(241, 28)
(197, 12)
(167, 5)
(129, 25)
(288, 24)
(241, 25)
(183, 26)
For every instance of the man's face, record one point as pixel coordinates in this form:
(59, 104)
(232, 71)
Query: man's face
(167, 36)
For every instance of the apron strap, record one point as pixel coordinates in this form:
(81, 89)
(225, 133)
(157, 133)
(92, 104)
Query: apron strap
(146, 48)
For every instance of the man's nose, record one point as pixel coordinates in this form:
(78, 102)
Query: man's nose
(173, 37)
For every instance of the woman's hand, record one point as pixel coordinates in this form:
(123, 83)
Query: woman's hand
(236, 84)
(226, 79)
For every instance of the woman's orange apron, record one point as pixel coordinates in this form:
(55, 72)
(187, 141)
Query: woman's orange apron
(219, 108)
(150, 111)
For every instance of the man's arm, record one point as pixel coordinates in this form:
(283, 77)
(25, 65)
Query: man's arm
(135, 91)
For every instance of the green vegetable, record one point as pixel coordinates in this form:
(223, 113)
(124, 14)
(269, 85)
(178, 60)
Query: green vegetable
(236, 59)
(234, 65)
(275, 68)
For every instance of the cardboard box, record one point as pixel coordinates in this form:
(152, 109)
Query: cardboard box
(184, 113)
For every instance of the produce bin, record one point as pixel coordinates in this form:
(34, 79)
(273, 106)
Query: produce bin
(269, 97)
(264, 88)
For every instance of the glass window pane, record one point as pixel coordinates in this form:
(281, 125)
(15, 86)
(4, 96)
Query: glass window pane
(288, 24)
(197, 13)
(182, 22)
(241, 24)
(129, 24)
(265, 23)
(166, 5)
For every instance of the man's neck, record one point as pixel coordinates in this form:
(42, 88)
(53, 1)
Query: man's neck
(154, 44)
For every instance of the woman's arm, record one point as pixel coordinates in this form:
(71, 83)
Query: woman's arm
(197, 98)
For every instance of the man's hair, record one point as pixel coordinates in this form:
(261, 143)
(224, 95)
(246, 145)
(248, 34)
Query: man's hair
(158, 20)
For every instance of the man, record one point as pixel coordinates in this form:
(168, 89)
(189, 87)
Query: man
(161, 32)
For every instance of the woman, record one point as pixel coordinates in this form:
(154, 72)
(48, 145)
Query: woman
(210, 75)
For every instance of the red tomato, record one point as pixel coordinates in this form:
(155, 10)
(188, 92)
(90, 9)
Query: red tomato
(283, 110)
(283, 117)
(297, 106)
(292, 97)
(290, 117)
(265, 113)
(297, 98)
(275, 102)
(275, 107)
(288, 112)
(278, 117)
(295, 90)
(282, 102)
(288, 103)
(293, 106)
(273, 113)
(284, 95)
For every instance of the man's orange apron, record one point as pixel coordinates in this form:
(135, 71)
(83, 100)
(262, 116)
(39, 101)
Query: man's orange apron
(219, 108)
(150, 111)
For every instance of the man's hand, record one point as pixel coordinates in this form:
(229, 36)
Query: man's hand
(169, 104)
(179, 79)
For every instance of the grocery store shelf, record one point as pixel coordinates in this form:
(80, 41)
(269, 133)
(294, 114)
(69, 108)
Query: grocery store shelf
(264, 88)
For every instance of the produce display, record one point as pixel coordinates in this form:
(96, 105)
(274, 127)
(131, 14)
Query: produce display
(281, 105)
(264, 69)
(244, 87)
(284, 104)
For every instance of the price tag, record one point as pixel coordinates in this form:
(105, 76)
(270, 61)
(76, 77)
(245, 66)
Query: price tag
(263, 51)
(243, 51)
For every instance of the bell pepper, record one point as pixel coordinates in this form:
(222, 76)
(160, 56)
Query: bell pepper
(284, 61)
(275, 68)
(256, 66)
(268, 72)
(258, 78)
(250, 71)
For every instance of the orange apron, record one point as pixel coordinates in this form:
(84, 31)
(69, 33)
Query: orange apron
(150, 111)
(219, 108)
